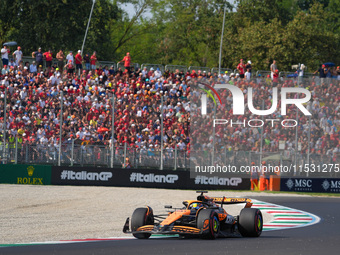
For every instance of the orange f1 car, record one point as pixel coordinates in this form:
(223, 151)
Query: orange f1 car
(204, 217)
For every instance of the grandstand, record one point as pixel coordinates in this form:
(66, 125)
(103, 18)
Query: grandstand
(34, 116)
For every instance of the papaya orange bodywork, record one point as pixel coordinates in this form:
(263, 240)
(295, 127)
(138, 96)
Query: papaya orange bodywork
(184, 221)
(222, 216)
(174, 216)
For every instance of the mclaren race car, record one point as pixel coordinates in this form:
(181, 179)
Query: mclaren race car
(204, 217)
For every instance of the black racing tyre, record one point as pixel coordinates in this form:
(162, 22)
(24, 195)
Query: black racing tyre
(207, 221)
(141, 217)
(250, 222)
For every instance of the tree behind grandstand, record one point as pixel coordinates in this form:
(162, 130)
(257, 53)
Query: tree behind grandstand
(185, 32)
(53, 24)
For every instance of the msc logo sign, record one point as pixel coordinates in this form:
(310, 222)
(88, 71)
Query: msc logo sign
(303, 183)
(299, 184)
(335, 184)
(239, 104)
(332, 185)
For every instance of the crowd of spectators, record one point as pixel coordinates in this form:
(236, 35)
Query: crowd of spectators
(34, 103)
(324, 124)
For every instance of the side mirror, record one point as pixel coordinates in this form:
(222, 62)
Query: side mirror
(168, 206)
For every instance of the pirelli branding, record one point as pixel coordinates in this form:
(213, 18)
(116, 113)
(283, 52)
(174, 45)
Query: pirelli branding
(230, 200)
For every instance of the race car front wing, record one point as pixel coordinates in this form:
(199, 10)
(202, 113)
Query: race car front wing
(165, 230)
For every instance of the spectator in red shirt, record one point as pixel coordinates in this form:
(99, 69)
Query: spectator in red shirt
(127, 62)
(276, 77)
(69, 67)
(241, 67)
(79, 61)
(193, 74)
(93, 61)
(48, 57)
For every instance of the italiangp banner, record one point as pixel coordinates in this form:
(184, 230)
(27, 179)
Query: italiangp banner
(319, 185)
(25, 174)
(146, 178)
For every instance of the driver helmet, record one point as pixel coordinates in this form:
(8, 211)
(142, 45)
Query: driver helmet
(196, 205)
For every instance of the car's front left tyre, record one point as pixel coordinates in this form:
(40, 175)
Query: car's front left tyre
(141, 217)
(208, 223)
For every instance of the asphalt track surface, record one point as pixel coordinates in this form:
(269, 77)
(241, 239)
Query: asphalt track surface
(322, 238)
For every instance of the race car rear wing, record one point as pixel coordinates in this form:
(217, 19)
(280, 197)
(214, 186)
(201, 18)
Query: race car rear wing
(223, 200)
(228, 201)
